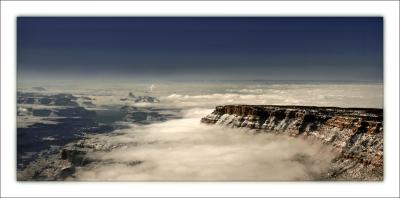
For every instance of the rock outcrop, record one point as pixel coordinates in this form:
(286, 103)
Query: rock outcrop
(43, 99)
(146, 99)
(356, 133)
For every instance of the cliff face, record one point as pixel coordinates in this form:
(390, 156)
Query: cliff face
(356, 133)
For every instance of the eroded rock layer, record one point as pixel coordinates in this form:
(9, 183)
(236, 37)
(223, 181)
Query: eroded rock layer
(356, 133)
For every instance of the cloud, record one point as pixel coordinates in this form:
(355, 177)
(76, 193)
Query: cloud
(185, 149)
(211, 94)
(314, 95)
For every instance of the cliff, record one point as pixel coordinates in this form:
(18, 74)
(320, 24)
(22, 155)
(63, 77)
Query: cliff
(356, 133)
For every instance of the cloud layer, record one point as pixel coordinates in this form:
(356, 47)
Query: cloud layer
(211, 94)
(185, 149)
(313, 95)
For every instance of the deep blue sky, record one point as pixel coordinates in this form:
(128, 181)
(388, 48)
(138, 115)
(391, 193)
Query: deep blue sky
(263, 48)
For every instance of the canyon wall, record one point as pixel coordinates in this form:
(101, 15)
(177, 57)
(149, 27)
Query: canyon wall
(355, 133)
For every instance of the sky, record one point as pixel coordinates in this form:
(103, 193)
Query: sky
(208, 48)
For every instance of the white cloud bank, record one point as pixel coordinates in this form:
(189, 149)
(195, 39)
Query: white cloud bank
(346, 95)
(185, 149)
(209, 95)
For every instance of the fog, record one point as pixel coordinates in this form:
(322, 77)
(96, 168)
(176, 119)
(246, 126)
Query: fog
(210, 94)
(185, 149)
(321, 95)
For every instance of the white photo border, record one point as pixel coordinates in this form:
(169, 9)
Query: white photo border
(11, 9)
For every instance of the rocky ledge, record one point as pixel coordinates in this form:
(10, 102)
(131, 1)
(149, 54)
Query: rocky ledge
(355, 133)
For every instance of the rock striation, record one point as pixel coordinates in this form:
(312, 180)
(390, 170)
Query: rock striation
(355, 133)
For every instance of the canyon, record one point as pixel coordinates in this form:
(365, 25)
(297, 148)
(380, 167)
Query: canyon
(355, 133)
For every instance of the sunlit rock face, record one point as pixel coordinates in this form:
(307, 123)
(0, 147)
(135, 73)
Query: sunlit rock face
(357, 133)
